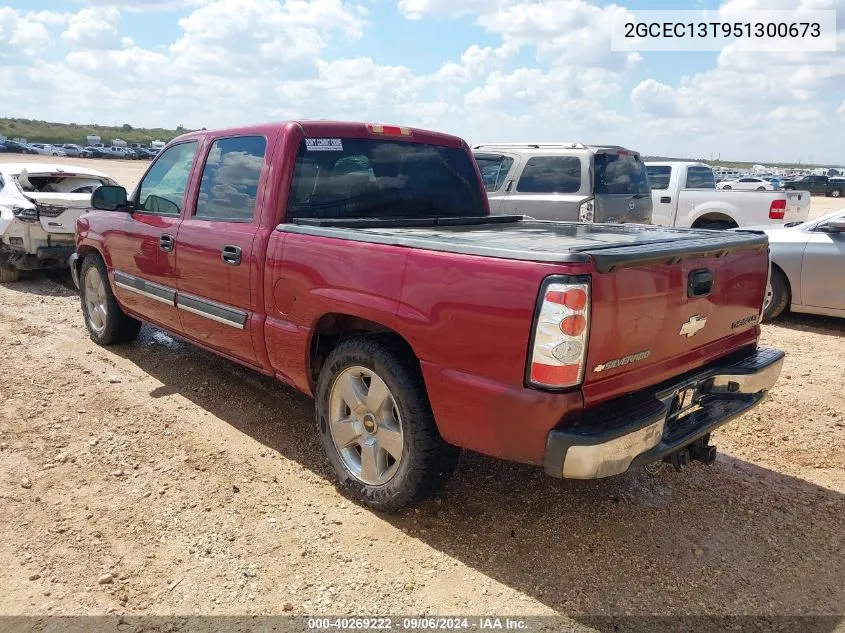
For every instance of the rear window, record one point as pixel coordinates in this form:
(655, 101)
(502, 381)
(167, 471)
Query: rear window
(658, 177)
(551, 174)
(620, 174)
(368, 178)
(700, 178)
(494, 169)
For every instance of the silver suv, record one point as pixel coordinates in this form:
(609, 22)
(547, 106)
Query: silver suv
(565, 181)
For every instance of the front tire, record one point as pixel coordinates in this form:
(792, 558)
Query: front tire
(836, 193)
(727, 187)
(377, 427)
(777, 295)
(107, 323)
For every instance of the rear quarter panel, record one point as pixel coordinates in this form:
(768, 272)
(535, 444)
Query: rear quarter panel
(467, 319)
(746, 208)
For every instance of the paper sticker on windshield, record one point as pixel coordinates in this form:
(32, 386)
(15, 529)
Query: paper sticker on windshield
(324, 144)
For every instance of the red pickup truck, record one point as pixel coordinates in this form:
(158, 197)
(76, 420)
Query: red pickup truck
(359, 263)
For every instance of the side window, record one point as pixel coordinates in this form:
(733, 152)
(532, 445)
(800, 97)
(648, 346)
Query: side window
(700, 178)
(229, 184)
(494, 169)
(162, 189)
(551, 174)
(658, 176)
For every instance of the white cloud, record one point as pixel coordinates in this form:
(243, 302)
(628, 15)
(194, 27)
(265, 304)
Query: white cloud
(25, 34)
(93, 29)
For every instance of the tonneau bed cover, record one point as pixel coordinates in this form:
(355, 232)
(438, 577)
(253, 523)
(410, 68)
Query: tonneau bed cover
(608, 246)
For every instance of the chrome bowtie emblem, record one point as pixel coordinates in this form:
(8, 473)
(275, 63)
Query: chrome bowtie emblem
(631, 205)
(693, 326)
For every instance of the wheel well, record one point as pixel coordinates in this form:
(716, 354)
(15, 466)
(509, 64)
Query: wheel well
(83, 252)
(775, 267)
(721, 218)
(334, 327)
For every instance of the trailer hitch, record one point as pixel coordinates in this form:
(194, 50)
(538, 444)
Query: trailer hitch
(699, 451)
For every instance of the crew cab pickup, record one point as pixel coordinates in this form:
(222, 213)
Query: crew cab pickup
(817, 184)
(684, 194)
(359, 264)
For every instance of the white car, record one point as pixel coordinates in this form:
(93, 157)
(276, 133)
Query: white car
(747, 183)
(47, 150)
(39, 205)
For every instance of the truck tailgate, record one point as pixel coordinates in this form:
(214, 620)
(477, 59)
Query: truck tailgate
(653, 319)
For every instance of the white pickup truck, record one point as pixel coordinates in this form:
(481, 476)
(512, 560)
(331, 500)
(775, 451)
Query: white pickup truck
(684, 194)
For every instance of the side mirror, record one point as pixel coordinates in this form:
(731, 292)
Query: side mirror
(834, 226)
(109, 198)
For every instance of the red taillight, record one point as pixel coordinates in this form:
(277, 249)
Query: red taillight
(559, 346)
(572, 299)
(388, 130)
(573, 325)
(777, 210)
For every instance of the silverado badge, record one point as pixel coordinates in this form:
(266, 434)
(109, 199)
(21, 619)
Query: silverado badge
(693, 326)
(625, 360)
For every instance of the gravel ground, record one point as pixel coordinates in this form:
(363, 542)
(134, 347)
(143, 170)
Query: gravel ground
(154, 478)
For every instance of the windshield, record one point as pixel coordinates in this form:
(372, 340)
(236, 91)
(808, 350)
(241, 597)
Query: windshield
(620, 173)
(368, 178)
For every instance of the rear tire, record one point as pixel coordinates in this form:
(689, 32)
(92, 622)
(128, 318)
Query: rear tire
(9, 275)
(388, 397)
(777, 295)
(107, 323)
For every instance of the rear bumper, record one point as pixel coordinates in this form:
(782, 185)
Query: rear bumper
(645, 427)
(44, 258)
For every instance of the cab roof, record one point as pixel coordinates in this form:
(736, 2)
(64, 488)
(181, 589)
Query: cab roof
(316, 128)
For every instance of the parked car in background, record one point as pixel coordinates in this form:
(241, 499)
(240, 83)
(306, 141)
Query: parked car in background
(684, 194)
(359, 263)
(817, 185)
(746, 183)
(565, 181)
(14, 147)
(808, 267)
(39, 205)
(71, 149)
(116, 152)
(97, 151)
(777, 183)
(46, 149)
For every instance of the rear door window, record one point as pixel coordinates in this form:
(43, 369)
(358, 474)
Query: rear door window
(658, 176)
(229, 185)
(620, 173)
(494, 169)
(550, 174)
(700, 178)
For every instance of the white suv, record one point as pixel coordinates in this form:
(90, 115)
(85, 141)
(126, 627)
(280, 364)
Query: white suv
(565, 181)
(39, 205)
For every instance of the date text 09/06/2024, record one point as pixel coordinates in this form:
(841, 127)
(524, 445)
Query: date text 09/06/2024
(416, 624)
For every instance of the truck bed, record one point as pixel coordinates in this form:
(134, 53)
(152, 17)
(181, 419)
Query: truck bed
(608, 246)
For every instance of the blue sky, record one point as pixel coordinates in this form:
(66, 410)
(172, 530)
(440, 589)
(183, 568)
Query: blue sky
(484, 69)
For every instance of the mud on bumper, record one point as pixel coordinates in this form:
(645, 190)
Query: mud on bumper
(646, 427)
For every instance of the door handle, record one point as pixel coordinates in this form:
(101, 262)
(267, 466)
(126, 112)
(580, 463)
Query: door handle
(231, 255)
(665, 199)
(166, 242)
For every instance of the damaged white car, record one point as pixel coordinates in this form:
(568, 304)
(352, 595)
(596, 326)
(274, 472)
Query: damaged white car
(39, 204)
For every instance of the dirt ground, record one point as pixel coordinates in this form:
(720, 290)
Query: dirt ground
(154, 478)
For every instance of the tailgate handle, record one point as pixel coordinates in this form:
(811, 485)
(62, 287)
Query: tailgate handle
(700, 283)
(665, 199)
